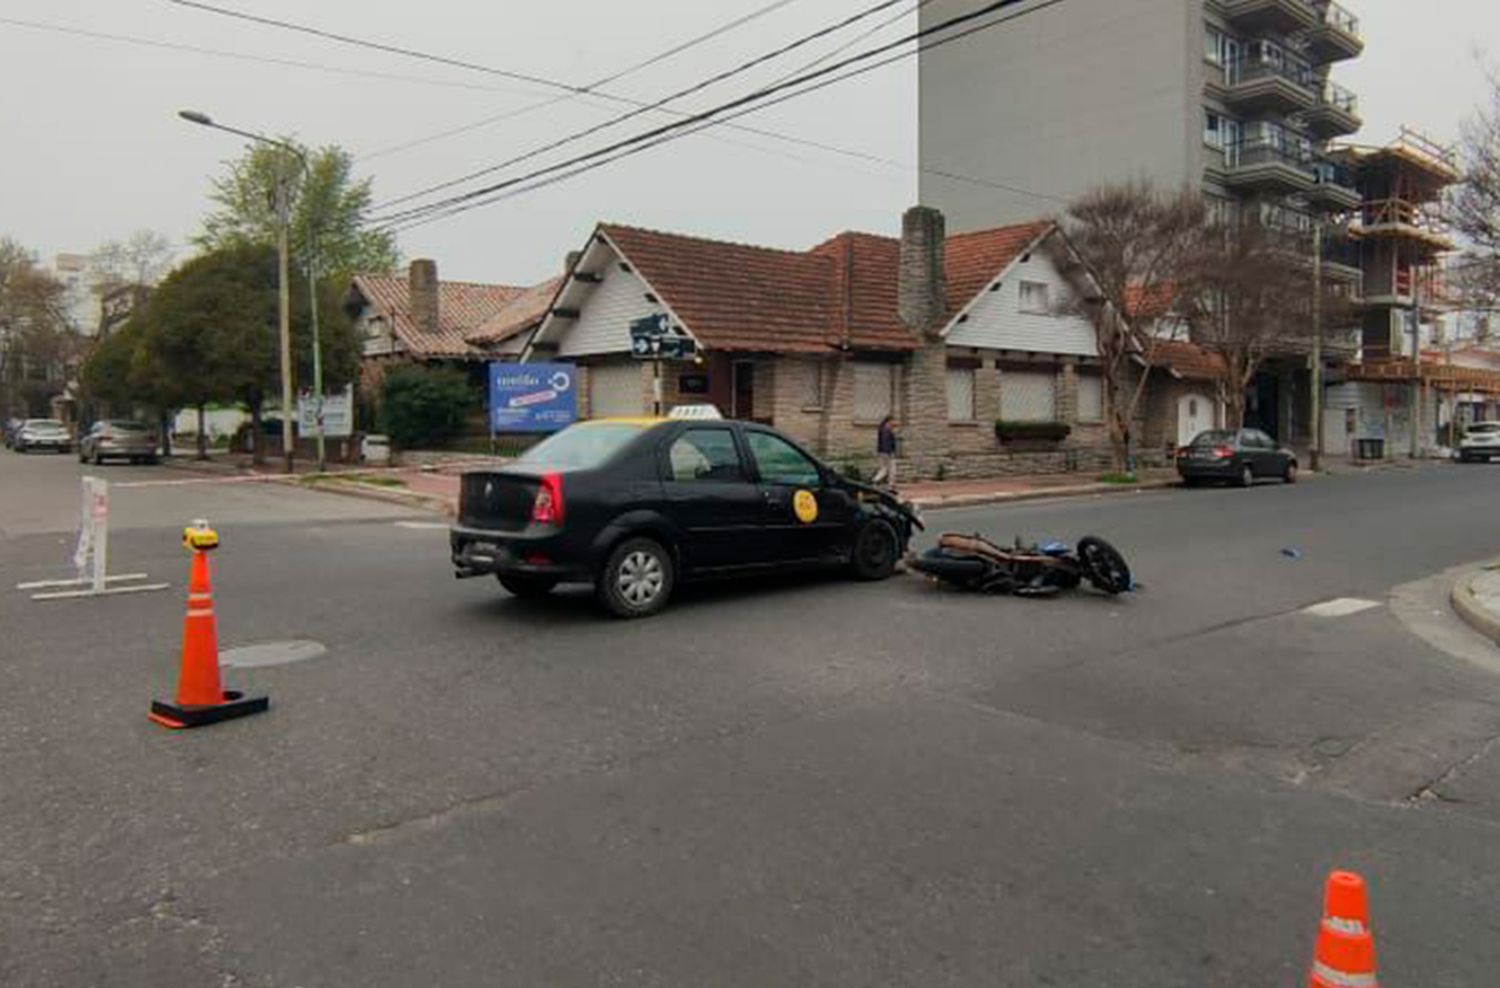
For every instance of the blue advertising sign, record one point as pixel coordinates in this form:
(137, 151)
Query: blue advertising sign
(533, 397)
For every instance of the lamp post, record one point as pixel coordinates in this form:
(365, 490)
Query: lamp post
(284, 217)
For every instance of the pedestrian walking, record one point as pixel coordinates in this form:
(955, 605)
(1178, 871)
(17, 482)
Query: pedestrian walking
(885, 452)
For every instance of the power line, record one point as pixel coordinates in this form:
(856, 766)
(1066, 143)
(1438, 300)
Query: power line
(757, 100)
(247, 57)
(592, 87)
(658, 104)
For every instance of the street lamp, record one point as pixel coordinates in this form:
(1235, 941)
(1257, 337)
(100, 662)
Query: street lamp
(283, 215)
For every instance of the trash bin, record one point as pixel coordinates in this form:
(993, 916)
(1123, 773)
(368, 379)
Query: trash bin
(1370, 449)
(376, 450)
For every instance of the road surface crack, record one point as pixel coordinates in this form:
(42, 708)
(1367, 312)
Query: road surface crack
(1432, 790)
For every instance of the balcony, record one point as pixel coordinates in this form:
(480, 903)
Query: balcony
(1269, 82)
(1334, 185)
(1271, 16)
(1336, 113)
(1421, 226)
(1341, 257)
(1336, 37)
(1267, 165)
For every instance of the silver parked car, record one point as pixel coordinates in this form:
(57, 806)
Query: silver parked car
(119, 439)
(37, 434)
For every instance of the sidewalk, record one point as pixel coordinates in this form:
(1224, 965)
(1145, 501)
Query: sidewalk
(439, 488)
(1476, 598)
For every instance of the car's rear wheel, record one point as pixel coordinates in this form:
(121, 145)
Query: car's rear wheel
(875, 552)
(637, 580)
(1247, 476)
(1289, 475)
(527, 586)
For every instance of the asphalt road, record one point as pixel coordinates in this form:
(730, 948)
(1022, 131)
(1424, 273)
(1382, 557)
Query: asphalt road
(801, 781)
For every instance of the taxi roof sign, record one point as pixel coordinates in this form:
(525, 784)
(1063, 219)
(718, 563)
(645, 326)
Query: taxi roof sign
(695, 413)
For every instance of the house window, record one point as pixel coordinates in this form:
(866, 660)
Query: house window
(1090, 398)
(1034, 298)
(1028, 396)
(961, 394)
(811, 373)
(874, 385)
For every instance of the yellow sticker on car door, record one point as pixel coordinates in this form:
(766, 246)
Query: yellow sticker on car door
(805, 506)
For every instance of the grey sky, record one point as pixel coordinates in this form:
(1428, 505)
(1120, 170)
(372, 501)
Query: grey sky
(94, 150)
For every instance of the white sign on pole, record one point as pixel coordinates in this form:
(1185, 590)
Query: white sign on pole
(337, 411)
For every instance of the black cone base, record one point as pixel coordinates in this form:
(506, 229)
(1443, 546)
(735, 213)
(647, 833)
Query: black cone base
(234, 705)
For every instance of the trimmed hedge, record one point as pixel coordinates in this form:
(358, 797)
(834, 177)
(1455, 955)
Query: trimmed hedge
(1032, 431)
(424, 406)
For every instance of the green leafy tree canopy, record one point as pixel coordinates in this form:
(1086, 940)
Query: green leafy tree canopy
(327, 199)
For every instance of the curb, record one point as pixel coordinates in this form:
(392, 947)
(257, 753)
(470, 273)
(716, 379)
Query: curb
(373, 492)
(1006, 497)
(1475, 614)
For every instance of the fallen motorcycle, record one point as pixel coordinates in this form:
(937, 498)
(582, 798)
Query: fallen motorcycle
(972, 562)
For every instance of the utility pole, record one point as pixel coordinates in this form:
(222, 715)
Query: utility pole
(1416, 361)
(317, 343)
(283, 247)
(1315, 460)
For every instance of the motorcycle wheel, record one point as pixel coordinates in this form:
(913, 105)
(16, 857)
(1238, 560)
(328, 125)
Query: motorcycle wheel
(1103, 565)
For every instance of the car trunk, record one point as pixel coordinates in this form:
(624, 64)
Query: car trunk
(498, 501)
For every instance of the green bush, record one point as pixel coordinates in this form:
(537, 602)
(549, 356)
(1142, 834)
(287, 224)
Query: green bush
(1119, 478)
(424, 406)
(1035, 431)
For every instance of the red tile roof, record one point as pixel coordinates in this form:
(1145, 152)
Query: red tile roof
(524, 312)
(1188, 360)
(843, 291)
(1149, 305)
(462, 308)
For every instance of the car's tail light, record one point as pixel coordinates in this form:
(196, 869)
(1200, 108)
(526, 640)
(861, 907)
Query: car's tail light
(547, 509)
(1223, 452)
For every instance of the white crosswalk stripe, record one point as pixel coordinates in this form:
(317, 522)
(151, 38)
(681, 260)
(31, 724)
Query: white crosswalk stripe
(1340, 607)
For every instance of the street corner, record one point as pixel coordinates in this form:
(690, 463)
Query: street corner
(1476, 599)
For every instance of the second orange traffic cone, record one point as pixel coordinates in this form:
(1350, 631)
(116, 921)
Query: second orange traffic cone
(1345, 954)
(201, 697)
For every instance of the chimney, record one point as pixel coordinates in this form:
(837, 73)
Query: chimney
(424, 295)
(923, 285)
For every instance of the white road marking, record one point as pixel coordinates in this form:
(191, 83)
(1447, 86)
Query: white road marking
(1340, 607)
(265, 478)
(423, 526)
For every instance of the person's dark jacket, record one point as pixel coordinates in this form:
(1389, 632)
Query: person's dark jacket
(885, 439)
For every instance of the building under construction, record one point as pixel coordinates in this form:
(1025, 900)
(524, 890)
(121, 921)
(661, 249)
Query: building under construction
(1395, 399)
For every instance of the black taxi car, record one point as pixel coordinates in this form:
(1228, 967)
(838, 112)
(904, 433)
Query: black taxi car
(635, 506)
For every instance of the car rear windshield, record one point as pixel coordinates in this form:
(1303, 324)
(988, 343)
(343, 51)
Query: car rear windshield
(581, 447)
(1216, 438)
(44, 424)
(125, 425)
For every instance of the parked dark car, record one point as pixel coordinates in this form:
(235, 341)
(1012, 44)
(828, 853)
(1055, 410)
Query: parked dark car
(119, 439)
(1241, 458)
(36, 434)
(635, 506)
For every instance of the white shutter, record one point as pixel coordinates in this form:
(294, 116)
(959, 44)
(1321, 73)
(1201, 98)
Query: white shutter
(1028, 396)
(615, 390)
(873, 384)
(1090, 398)
(960, 394)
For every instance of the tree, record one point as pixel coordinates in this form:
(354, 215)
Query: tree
(328, 198)
(140, 260)
(213, 332)
(1250, 296)
(36, 343)
(1137, 244)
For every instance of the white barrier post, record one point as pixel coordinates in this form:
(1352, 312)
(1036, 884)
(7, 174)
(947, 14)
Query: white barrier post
(91, 555)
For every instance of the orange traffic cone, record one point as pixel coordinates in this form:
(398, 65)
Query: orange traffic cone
(201, 698)
(1345, 954)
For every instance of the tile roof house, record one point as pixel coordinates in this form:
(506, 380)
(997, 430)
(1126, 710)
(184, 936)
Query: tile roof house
(419, 317)
(506, 332)
(821, 342)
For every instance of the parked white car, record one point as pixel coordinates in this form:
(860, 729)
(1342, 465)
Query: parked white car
(1481, 441)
